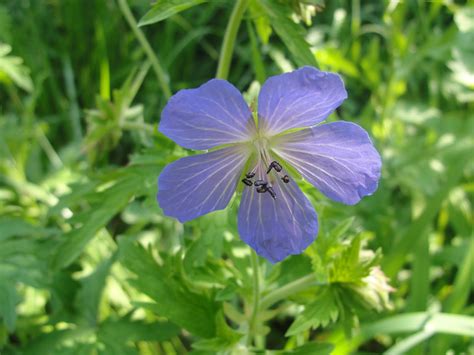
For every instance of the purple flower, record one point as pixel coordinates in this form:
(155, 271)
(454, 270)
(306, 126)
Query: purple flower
(275, 217)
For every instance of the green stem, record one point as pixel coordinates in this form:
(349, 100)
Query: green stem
(49, 149)
(229, 39)
(289, 289)
(256, 297)
(160, 74)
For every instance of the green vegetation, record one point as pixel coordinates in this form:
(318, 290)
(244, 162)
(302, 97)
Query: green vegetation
(90, 265)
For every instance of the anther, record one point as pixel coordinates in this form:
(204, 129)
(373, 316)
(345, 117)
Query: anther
(250, 175)
(275, 165)
(285, 179)
(271, 192)
(247, 182)
(260, 183)
(262, 189)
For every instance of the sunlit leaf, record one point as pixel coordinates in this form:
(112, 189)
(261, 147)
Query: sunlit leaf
(321, 312)
(193, 311)
(290, 33)
(163, 9)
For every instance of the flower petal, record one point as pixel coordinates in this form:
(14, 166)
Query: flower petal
(277, 228)
(338, 158)
(302, 98)
(211, 115)
(199, 184)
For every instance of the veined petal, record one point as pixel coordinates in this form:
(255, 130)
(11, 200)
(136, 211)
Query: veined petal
(277, 228)
(211, 115)
(302, 98)
(338, 158)
(199, 184)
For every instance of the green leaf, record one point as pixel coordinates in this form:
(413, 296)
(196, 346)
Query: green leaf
(13, 70)
(332, 59)
(8, 301)
(408, 239)
(438, 322)
(312, 348)
(48, 343)
(347, 268)
(341, 229)
(402, 347)
(124, 330)
(410, 323)
(163, 9)
(462, 285)
(226, 337)
(289, 32)
(131, 182)
(321, 312)
(193, 311)
(10, 227)
(420, 280)
(261, 21)
(90, 294)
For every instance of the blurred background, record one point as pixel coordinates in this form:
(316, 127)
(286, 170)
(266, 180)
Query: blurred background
(90, 265)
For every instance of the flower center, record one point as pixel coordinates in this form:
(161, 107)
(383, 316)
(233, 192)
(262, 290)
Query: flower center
(265, 170)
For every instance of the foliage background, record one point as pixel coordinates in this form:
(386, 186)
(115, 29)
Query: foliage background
(88, 262)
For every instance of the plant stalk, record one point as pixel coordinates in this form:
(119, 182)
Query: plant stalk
(229, 39)
(256, 298)
(289, 289)
(160, 74)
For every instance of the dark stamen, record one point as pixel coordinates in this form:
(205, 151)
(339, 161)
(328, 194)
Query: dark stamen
(247, 182)
(286, 179)
(271, 192)
(275, 165)
(262, 189)
(260, 183)
(250, 175)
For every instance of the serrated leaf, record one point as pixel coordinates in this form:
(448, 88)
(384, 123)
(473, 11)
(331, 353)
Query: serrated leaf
(289, 32)
(163, 9)
(48, 343)
(89, 296)
(226, 337)
(109, 202)
(227, 293)
(13, 70)
(318, 313)
(193, 311)
(347, 268)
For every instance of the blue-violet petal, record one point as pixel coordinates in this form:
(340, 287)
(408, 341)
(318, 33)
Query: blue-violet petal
(338, 158)
(193, 186)
(277, 228)
(211, 115)
(302, 98)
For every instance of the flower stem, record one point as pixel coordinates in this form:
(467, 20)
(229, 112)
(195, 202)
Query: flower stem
(289, 289)
(160, 74)
(229, 39)
(256, 297)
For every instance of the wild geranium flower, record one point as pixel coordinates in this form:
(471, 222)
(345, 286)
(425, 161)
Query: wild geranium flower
(275, 218)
